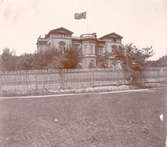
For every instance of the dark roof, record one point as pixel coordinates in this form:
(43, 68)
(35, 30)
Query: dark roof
(111, 35)
(60, 30)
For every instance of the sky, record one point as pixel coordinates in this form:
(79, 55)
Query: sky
(142, 22)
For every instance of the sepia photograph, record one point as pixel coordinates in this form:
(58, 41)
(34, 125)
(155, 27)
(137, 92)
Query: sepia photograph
(83, 73)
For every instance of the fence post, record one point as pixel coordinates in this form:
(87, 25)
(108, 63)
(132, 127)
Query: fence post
(36, 82)
(161, 74)
(61, 74)
(93, 78)
(0, 83)
(27, 81)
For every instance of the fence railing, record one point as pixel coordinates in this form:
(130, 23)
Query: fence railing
(71, 79)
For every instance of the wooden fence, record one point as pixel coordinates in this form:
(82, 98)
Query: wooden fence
(51, 80)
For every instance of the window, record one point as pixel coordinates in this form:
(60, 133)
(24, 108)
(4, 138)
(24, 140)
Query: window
(91, 49)
(114, 47)
(91, 64)
(114, 39)
(62, 46)
(85, 46)
(100, 51)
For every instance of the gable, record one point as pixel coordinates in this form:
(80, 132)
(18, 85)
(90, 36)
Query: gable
(111, 36)
(60, 31)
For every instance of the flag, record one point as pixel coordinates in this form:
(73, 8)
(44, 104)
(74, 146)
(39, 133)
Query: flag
(80, 15)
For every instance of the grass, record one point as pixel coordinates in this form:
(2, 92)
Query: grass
(109, 120)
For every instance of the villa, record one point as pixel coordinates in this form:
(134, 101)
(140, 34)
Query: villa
(91, 48)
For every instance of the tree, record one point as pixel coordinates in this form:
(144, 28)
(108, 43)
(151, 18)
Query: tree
(57, 62)
(133, 60)
(8, 60)
(67, 60)
(102, 60)
(42, 59)
(161, 62)
(71, 58)
(24, 62)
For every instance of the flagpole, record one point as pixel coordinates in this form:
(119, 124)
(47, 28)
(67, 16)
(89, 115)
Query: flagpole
(87, 23)
(87, 8)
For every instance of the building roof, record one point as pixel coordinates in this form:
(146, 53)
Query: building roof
(100, 41)
(60, 30)
(111, 35)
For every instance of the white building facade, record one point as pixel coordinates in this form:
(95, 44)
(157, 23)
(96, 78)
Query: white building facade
(90, 48)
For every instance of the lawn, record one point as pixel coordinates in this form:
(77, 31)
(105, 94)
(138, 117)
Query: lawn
(92, 120)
